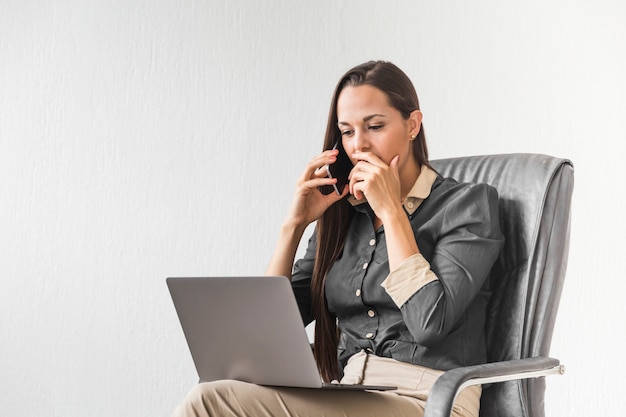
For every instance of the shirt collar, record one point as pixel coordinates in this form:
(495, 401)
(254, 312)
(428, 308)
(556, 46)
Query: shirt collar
(417, 194)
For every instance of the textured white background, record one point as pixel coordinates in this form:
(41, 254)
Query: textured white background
(146, 138)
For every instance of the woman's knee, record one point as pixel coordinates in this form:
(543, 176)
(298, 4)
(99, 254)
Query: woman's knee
(214, 398)
(208, 392)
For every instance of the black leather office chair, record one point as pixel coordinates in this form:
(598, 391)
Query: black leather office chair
(535, 195)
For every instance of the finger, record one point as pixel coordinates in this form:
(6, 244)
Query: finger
(316, 166)
(321, 170)
(358, 174)
(357, 191)
(358, 182)
(369, 157)
(394, 163)
(314, 183)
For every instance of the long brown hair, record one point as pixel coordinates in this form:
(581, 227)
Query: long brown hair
(332, 227)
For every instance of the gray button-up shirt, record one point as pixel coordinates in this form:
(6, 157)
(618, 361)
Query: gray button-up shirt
(430, 311)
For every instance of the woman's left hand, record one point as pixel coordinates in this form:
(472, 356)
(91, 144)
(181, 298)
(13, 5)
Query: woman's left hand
(378, 182)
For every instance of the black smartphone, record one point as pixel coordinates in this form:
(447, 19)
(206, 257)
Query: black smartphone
(340, 170)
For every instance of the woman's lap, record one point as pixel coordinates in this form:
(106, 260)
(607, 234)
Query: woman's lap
(240, 399)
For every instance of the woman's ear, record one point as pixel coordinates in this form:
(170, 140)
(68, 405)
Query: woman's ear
(415, 123)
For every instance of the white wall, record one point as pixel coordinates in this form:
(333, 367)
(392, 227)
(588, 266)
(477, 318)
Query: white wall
(141, 139)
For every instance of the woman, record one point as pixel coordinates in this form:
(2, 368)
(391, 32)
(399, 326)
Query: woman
(393, 274)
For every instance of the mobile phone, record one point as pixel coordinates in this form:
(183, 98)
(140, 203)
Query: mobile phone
(340, 169)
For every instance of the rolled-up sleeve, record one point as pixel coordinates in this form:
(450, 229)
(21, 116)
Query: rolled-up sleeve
(410, 276)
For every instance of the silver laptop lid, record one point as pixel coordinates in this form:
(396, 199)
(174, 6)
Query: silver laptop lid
(245, 328)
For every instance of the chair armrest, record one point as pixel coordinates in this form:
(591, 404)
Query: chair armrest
(451, 383)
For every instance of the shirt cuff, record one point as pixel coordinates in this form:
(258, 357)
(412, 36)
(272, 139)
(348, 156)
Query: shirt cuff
(408, 278)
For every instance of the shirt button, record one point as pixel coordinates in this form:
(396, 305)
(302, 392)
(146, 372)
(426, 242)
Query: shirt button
(372, 242)
(365, 265)
(409, 204)
(371, 313)
(358, 293)
(369, 335)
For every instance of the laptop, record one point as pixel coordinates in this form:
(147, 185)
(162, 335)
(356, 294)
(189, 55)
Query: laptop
(248, 329)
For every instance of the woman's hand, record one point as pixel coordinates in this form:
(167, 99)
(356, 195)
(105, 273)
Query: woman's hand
(307, 206)
(377, 181)
(380, 183)
(309, 203)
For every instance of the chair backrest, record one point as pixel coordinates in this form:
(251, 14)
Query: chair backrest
(535, 197)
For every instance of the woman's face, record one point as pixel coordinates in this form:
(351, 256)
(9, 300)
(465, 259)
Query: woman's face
(368, 123)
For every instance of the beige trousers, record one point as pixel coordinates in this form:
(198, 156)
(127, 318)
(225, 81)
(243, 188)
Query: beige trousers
(240, 399)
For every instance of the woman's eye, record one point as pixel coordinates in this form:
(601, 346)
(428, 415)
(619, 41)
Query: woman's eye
(345, 132)
(376, 127)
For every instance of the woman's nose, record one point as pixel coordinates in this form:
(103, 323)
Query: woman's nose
(361, 142)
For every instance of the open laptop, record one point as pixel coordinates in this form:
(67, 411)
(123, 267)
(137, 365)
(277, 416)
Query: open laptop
(248, 329)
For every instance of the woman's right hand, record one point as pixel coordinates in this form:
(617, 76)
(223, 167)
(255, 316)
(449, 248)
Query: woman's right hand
(309, 203)
(307, 206)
